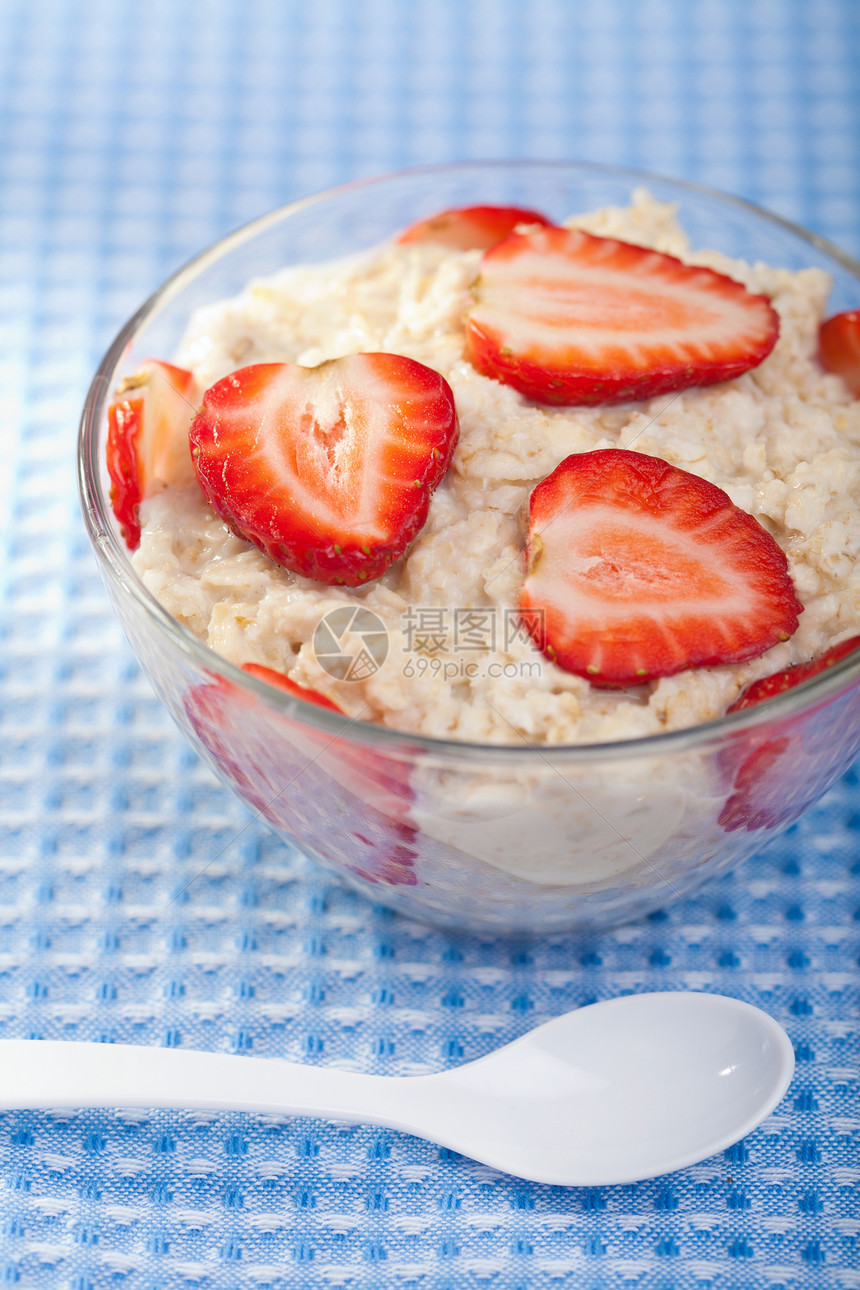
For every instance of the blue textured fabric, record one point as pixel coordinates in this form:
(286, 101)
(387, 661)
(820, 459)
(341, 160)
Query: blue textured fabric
(138, 902)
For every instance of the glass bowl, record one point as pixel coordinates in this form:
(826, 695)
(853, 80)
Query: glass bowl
(516, 838)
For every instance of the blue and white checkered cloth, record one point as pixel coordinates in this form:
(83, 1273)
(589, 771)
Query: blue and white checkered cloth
(138, 903)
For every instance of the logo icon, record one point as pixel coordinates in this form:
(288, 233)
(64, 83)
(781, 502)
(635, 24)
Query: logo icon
(351, 643)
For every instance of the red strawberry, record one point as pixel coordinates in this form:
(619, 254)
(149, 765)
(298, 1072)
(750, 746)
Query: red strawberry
(771, 786)
(839, 348)
(471, 228)
(638, 570)
(329, 470)
(769, 686)
(778, 769)
(565, 317)
(345, 802)
(147, 441)
(368, 772)
(282, 682)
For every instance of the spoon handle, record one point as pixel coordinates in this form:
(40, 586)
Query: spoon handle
(47, 1073)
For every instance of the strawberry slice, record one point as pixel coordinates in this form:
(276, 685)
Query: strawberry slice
(147, 443)
(370, 773)
(282, 682)
(772, 784)
(638, 570)
(565, 317)
(345, 802)
(472, 228)
(329, 470)
(839, 348)
(781, 768)
(769, 686)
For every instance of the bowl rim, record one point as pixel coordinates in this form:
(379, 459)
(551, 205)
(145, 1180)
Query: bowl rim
(114, 558)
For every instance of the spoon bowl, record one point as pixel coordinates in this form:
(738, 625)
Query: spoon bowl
(622, 1090)
(614, 1092)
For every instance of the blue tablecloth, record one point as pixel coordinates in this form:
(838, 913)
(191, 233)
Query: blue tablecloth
(130, 136)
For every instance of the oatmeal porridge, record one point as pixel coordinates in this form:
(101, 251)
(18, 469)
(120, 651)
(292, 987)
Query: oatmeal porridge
(782, 440)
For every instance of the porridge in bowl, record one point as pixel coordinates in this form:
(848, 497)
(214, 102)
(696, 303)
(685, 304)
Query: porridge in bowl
(782, 440)
(508, 591)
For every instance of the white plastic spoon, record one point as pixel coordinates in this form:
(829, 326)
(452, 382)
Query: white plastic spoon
(612, 1093)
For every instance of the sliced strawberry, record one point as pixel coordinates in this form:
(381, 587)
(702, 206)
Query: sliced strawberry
(368, 772)
(638, 570)
(341, 800)
(839, 348)
(329, 470)
(769, 686)
(565, 317)
(282, 682)
(779, 769)
(771, 786)
(147, 441)
(472, 228)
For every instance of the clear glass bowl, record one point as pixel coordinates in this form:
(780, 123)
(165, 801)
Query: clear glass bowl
(509, 839)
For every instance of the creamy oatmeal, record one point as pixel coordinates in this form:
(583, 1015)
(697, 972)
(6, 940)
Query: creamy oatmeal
(783, 441)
